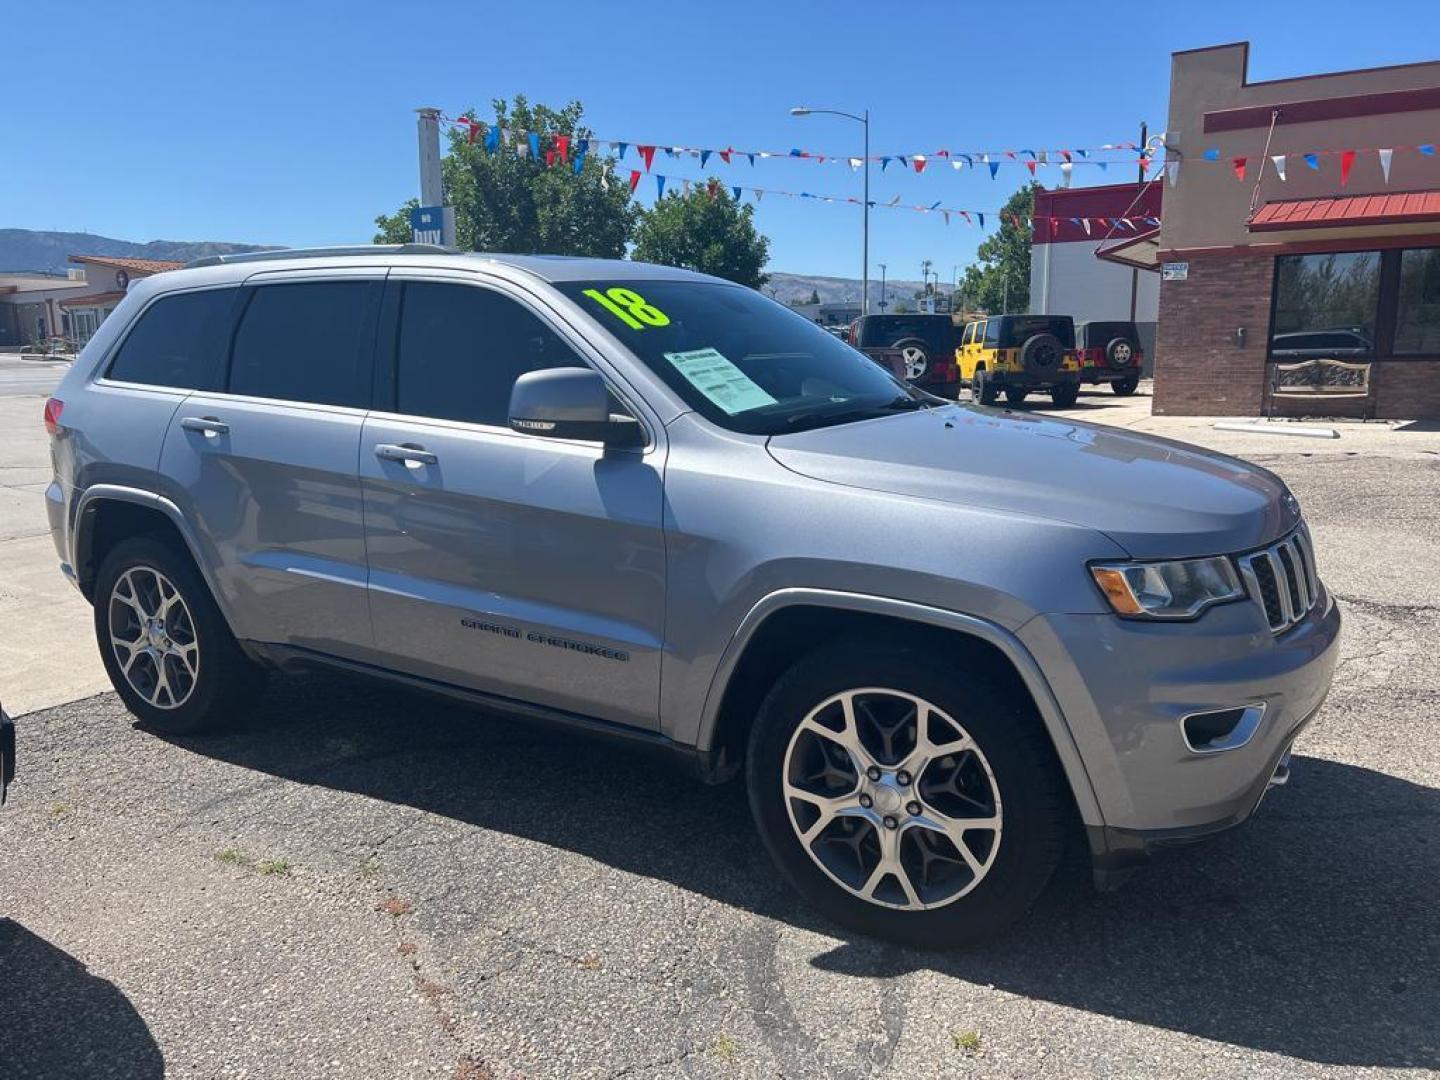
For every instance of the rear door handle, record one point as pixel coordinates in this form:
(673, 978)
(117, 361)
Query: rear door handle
(409, 454)
(205, 425)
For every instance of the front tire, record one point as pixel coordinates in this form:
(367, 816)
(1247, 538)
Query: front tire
(1016, 395)
(903, 802)
(165, 644)
(1125, 387)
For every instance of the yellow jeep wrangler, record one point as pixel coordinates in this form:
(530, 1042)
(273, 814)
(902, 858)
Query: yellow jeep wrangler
(1017, 354)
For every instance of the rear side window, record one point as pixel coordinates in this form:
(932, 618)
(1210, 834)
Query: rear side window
(461, 348)
(179, 341)
(307, 342)
(992, 332)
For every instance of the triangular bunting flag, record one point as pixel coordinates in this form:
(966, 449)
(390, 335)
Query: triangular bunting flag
(1066, 168)
(725, 155)
(1385, 156)
(736, 191)
(981, 217)
(1313, 160)
(946, 215)
(1031, 166)
(534, 140)
(1212, 154)
(713, 187)
(1278, 160)
(752, 159)
(855, 163)
(647, 155)
(957, 165)
(620, 149)
(1347, 159)
(1238, 164)
(1086, 222)
(1426, 148)
(550, 157)
(894, 202)
(704, 157)
(659, 185)
(994, 168)
(562, 146)
(634, 180)
(919, 162)
(492, 140)
(759, 193)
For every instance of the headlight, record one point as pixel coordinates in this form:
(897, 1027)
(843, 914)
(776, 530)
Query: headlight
(1167, 590)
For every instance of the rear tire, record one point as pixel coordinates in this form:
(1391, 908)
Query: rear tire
(1016, 848)
(1065, 395)
(1125, 387)
(165, 644)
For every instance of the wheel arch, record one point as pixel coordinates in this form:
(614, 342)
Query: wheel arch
(108, 513)
(790, 622)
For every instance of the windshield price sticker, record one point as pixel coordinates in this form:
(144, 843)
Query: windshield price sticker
(720, 380)
(629, 307)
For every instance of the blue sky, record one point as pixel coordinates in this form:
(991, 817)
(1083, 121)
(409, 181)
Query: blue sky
(292, 123)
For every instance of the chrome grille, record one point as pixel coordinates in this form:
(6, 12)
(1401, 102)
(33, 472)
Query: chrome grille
(1281, 579)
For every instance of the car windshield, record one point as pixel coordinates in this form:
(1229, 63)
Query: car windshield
(740, 359)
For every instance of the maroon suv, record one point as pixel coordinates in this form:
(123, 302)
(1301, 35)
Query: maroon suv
(920, 348)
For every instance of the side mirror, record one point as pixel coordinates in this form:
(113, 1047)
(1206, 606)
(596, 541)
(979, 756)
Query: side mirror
(570, 403)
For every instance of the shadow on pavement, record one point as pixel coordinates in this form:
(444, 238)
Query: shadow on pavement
(1313, 932)
(57, 1021)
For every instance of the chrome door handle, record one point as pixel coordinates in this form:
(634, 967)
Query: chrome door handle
(407, 453)
(205, 425)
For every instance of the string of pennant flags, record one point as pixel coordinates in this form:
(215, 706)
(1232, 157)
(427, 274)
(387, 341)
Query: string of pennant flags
(975, 218)
(568, 149)
(1311, 159)
(537, 144)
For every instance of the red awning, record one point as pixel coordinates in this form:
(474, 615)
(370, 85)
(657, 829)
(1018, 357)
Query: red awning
(1340, 210)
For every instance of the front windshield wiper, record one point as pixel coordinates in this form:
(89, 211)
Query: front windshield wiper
(821, 417)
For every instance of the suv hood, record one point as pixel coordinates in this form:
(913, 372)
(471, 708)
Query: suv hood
(1154, 497)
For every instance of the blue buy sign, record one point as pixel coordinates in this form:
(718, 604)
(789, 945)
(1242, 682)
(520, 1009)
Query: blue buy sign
(426, 224)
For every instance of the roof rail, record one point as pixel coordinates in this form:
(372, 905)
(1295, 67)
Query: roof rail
(271, 254)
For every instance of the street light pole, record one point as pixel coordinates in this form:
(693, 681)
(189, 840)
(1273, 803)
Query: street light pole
(864, 120)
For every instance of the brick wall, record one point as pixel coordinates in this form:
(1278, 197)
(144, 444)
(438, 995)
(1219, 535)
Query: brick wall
(1199, 371)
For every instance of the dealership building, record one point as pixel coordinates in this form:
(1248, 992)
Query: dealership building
(1303, 223)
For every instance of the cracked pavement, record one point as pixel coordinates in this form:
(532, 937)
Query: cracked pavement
(366, 882)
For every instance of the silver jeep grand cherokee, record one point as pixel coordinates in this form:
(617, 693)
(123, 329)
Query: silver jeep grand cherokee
(939, 640)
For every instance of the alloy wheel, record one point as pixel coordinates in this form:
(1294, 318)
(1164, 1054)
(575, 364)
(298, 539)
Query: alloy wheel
(916, 362)
(153, 635)
(892, 799)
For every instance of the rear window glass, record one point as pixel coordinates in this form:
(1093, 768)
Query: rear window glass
(1099, 334)
(1016, 328)
(179, 341)
(307, 342)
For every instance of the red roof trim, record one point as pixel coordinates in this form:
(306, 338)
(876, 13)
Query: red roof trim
(1342, 210)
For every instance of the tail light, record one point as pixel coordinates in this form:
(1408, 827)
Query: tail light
(53, 408)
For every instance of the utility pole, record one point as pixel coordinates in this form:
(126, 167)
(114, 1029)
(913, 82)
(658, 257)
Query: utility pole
(432, 187)
(1135, 270)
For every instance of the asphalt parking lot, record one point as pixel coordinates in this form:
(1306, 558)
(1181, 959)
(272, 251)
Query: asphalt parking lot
(370, 883)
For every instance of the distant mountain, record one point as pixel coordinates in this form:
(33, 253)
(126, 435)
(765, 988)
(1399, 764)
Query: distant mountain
(788, 288)
(49, 252)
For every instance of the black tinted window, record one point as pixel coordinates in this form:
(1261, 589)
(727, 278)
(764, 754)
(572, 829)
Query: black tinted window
(179, 341)
(993, 328)
(307, 342)
(461, 348)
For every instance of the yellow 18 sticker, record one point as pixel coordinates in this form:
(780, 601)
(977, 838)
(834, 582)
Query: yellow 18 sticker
(629, 307)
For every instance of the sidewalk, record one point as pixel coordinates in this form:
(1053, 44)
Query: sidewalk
(1393, 437)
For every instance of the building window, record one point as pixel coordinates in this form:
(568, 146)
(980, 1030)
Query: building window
(1417, 314)
(1325, 304)
(1357, 304)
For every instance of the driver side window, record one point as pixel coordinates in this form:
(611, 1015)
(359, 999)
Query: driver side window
(460, 348)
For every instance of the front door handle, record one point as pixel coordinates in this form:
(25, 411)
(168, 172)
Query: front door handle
(409, 454)
(205, 425)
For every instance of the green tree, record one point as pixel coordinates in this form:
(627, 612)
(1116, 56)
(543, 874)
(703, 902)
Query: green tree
(505, 202)
(706, 230)
(999, 279)
(814, 297)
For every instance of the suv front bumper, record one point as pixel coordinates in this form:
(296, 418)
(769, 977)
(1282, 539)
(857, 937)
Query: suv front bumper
(1125, 687)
